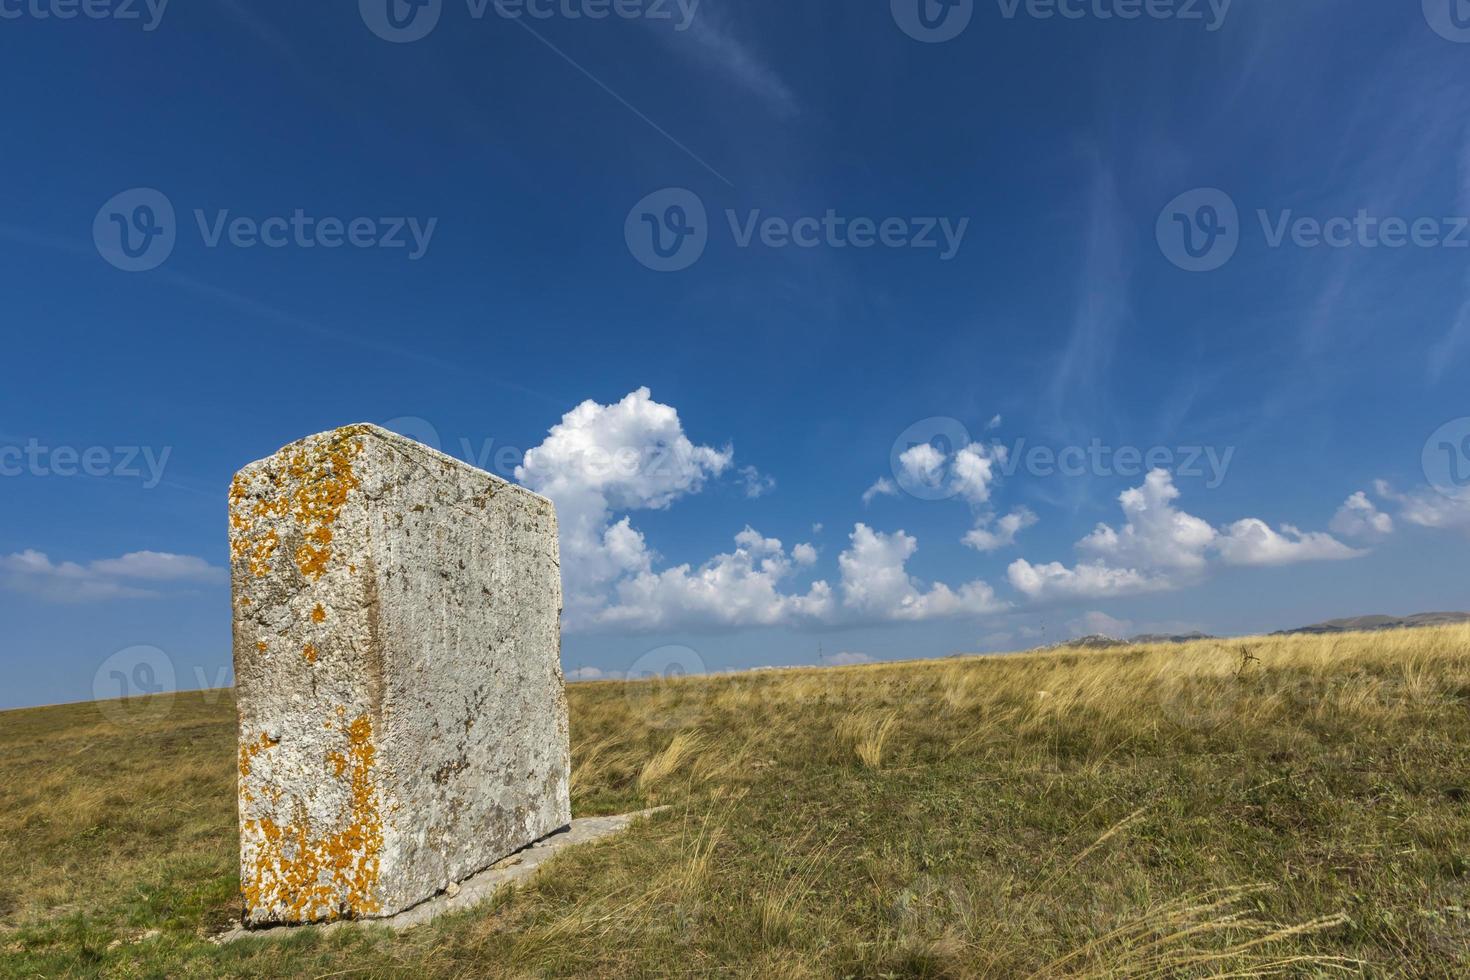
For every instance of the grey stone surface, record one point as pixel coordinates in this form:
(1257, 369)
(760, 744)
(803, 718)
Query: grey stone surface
(403, 719)
(478, 888)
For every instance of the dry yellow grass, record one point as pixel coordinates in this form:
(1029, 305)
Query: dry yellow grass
(1292, 805)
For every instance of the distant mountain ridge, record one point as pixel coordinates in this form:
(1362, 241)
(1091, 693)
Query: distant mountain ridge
(1352, 624)
(1098, 641)
(1372, 624)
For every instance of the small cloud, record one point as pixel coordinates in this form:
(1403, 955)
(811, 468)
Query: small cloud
(816, 529)
(989, 535)
(1254, 542)
(804, 554)
(883, 488)
(34, 573)
(1427, 508)
(993, 424)
(160, 567)
(848, 659)
(1086, 580)
(756, 484)
(593, 674)
(970, 473)
(1360, 518)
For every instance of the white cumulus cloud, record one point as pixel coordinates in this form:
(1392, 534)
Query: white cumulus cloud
(1161, 547)
(1253, 542)
(969, 473)
(1086, 580)
(876, 583)
(603, 461)
(1157, 535)
(740, 588)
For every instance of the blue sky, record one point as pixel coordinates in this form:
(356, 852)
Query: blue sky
(1233, 234)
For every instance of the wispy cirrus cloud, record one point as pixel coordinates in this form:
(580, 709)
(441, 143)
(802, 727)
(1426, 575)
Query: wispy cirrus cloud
(711, 41)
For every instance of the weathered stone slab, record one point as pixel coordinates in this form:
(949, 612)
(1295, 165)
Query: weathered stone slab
(403, 719)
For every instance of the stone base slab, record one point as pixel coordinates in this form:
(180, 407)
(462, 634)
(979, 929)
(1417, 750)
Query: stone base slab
(474, 890)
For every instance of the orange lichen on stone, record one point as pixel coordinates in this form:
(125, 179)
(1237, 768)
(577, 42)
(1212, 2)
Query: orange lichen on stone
(256, 549)
(250, 750)
(303, 875)
(321, 477)
(260, 646)
(318, 615)
(323, 480)
(310, 653)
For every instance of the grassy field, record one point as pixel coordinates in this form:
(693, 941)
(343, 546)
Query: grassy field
(1296, 806)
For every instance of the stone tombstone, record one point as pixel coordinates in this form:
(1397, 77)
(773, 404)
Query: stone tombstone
(403, 717)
